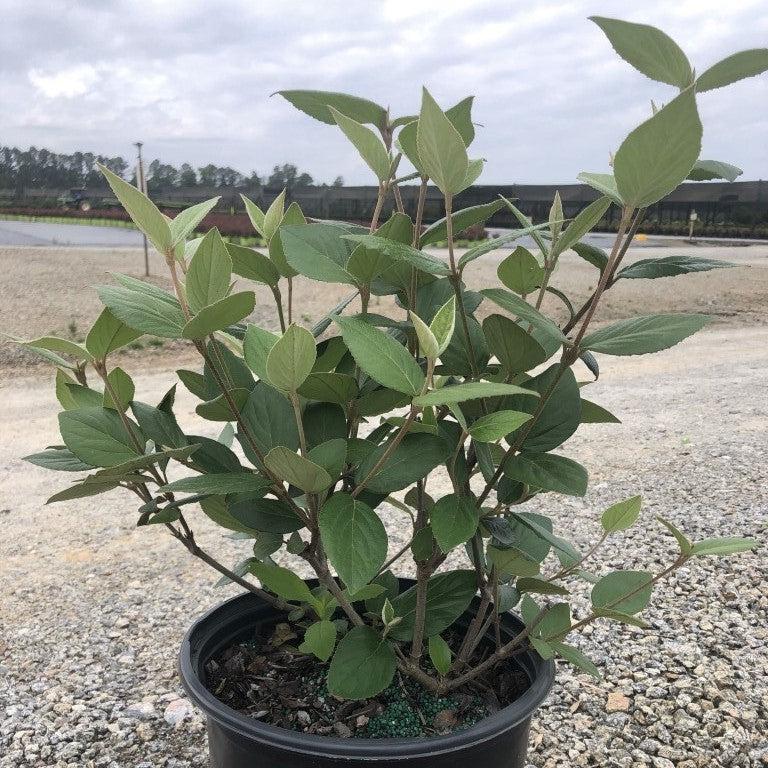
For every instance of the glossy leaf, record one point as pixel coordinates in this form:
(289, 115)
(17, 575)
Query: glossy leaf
(97, 436)
(493, 426)
(320, 639)
(516, 350)
(282, 582)
(440, 654)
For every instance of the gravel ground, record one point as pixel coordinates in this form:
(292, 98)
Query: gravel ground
(92, 610)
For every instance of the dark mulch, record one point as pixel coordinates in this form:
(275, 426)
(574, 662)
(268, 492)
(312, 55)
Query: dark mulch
(270, 680)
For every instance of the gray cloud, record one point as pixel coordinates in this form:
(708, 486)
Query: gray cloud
(192, 79)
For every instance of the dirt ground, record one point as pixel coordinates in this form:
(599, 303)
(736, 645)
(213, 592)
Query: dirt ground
(51, 291)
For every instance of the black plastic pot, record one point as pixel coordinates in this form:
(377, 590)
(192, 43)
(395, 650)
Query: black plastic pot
(237, 741)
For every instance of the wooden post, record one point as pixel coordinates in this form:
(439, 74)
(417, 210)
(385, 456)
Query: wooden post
(141, 183)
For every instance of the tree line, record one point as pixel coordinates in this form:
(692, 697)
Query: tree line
(21, 169)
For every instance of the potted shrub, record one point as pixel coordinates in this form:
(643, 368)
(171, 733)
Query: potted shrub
(454, 422)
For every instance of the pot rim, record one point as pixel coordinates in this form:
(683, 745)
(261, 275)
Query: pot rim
(542, 673)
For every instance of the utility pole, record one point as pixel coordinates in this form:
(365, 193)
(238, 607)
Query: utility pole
(141, 183)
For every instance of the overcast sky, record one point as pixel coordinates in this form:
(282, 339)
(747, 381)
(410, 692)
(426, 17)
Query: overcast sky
(192, 79)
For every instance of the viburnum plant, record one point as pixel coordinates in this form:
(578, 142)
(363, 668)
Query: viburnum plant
(366, 416)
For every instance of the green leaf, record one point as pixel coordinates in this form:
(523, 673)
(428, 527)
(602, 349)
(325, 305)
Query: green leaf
(427, 342)
(320, 639)
(416, 456)
(541, 527)
(623, 618)
(282, 582)
(620, 516)
(670, 266)
(219, 483)
(108, 334)
(520, 272)
(474, 169)
(55, 345)
(58, 459)
(643, 335)
(218, 316)
(269, 515)
(145, 309)
(219, 408)
(89, 487)
(440, 654)
(354, 539)
(471, 390)
(270, 420)
(522, 309)
(560, 416)
(648, 50)
(142, 210)
(441, 149)
(367, 143)
(255, 214)
(539, 586)
(516, 350)
(461, 220)
(454, 521)
(728, 545)
(555, 218)
(443, 325)
(494, 426)
(549, 472)
(623, 591)
(273, 217)
(209, 273)
(329, 387)
(291, 358)
(317, 251)
(292, 217)
(402, 252)
(406, 143)
(597, 257)
(317, 103)
(330, 455)
(97, 436)
(122, 385)
(380, 356)
(706, 170)
(448, 596)
(460, 116)
(576, 657)
(604, 183)
(143, 461)
(581, 225)
(257, 344)
(187, 221)
(494, 243)
(684, 544)
(253, 265)
(297, 470)
(528, 533)
(733, 68)
(658, 155)
(592, 413)
(423, 544)
(364, 664)
(82, 397)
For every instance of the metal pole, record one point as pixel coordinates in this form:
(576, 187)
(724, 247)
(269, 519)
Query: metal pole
(142, 185)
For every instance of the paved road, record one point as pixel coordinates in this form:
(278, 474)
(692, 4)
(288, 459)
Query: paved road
(42, 234)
